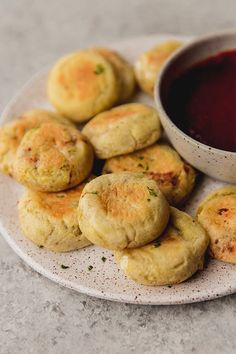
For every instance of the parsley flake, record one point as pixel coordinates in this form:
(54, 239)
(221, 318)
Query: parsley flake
(94, 192)
(148, 199)
(64, 266)
(140, 165)
(104, 259)
(99, 69)
(90, 267)
(41, 246)
(141, 157)
(157, 244)
(152, 192)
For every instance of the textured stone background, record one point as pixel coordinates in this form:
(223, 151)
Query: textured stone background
(36, 315)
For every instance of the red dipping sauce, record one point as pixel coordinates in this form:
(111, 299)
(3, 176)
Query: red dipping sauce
(202, 101)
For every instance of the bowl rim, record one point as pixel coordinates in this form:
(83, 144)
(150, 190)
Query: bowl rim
(157, 97)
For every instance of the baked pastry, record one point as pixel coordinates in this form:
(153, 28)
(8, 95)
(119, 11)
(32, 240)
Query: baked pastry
(150, 63)
(172, 258)
(217, 214)
(82, 84)
(122, 210)
(12, 133)
(50, 219)
(52, 158)
(123, 129)
(162, 163)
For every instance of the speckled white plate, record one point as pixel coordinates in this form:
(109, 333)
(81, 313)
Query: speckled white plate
(104, 280)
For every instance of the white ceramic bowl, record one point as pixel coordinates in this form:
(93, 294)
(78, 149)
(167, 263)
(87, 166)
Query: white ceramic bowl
(216, 163)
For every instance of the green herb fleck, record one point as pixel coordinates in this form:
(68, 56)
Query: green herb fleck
(147, 168)
(152, 192)
(157, 244)
(169, 286)
(141, 157)
(41, 246)
(99, 69)
(90, 267)
(94, 192)
(64, 266)
(140, 165)
(104, 259)
(148, 199)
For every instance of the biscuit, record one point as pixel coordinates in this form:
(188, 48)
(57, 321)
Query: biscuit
(82, 84)
(160, 162)
(172, 258)
(124, 70)
(217, 214)
(150, 63)
(122, 210)
(123, 129)
(12, 133)
(52, 158)
(50, 219)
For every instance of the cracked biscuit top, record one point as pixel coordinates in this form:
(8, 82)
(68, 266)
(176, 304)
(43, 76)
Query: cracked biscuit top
(82, 84)
(217, 214)
(175, 256)
(162, 163)
(122, 210)
(53, 158)
(123, 129)
(50, 219)
(12, 133)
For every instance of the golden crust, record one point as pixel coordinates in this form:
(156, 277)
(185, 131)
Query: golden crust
(82, 84)
(53, 158)
(123, 129)
(217, 214)
(123, 210)
(50, 219)
(171, 259)
(149, 64)
(160, 162)
(12, 133)
(124, 71)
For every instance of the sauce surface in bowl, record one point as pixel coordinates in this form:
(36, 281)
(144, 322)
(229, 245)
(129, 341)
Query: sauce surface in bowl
(202, 101)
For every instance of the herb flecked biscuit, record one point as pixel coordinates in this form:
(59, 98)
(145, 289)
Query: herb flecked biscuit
(149, 64)
(82, 84)
(122, 210)
(217, 214)
(124, 70)
(53, 158)
(172, 258)
(12, 133)
(160, 162)
(123, 129)
(50, 219)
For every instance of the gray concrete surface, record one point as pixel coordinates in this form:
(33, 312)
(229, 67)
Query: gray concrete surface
(36, 315)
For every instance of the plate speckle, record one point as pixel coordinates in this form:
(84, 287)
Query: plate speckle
(93, 270)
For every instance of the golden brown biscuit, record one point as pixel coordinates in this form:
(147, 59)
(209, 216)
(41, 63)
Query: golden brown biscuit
(82, 84)
(53, 158)
(217, 214)
(172, 258)
(150, 63)
(160, 162)
(123, 129)
(122, 210)
(124, 71)
(12, 133)
(50, 219)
